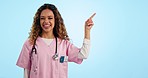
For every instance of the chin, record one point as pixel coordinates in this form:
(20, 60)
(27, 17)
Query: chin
(48, 30)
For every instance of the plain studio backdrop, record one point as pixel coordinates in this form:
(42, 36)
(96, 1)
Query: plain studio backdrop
(119, 38)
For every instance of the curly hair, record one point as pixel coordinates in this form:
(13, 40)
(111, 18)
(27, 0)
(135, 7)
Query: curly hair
(59, 29)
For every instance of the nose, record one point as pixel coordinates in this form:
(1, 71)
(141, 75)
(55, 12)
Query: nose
(46, 20)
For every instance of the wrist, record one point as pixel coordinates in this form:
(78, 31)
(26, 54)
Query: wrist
(87, 34)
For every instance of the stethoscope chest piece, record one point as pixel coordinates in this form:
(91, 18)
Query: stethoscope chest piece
(55, 56)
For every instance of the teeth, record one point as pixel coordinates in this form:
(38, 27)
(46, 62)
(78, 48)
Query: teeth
(46, 25)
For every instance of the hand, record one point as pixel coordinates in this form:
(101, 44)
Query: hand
(89, 23)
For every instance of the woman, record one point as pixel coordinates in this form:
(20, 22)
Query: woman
(47, 50)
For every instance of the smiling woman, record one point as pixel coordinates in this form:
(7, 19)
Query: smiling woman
(119, 38)
(46, 16)
(47, 51)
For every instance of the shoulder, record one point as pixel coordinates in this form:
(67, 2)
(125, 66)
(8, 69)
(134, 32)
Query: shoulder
(27, 43)
(64, 42)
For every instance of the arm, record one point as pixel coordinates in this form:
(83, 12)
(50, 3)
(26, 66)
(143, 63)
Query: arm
(84, 52)
(26, 73)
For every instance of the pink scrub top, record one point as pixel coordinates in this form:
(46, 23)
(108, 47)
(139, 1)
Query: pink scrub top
(42, 65)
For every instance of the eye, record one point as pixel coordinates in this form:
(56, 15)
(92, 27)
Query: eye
(50, 18)
(42, 18)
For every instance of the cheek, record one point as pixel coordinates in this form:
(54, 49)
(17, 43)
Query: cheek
(41, 22)
(53, 22)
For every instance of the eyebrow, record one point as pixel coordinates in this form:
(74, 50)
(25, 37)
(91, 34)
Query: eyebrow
(45, 16)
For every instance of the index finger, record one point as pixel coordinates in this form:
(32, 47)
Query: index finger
(92, 16)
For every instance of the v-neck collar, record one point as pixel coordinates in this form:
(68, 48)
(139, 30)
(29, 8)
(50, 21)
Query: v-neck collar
(45, 43)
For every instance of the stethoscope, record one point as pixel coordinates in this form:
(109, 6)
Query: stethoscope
(55, 56)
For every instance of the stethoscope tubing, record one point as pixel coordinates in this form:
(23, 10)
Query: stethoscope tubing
(35, 50)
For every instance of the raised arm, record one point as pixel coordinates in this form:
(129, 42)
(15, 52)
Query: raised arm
(84, 52)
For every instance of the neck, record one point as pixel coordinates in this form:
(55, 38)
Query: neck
(47, 35)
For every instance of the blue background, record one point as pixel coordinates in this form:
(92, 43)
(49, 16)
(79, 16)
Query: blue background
(119, 38)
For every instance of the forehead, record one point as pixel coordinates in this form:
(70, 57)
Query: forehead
(47, 12)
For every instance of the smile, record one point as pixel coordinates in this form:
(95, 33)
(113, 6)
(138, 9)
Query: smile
(46, 26)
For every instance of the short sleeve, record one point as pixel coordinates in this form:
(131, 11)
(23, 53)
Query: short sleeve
(73, 52)
(24, 57)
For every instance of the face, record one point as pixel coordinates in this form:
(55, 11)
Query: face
(47, 21)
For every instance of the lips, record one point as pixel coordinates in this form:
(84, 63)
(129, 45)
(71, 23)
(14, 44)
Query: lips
(46, 26)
